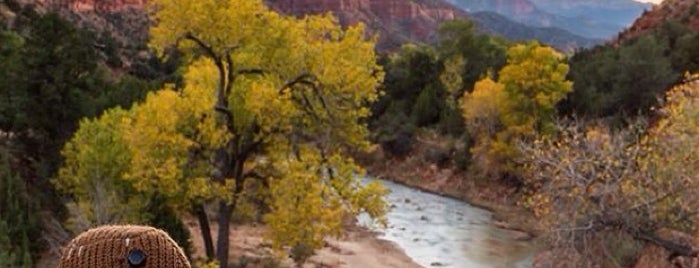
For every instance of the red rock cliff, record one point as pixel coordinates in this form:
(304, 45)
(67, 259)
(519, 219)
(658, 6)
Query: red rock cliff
(396, 21)
(96, 5)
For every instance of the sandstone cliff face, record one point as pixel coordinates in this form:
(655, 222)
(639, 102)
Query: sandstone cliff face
(395, 21)
(95, 5)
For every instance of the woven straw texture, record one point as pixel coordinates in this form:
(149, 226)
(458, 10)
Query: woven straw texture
(109, 246)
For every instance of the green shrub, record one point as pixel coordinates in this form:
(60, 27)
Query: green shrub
(426, 110)
(300, 253)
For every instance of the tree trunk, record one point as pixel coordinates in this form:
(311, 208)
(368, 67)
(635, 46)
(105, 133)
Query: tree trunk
(205, 230)
(675, 248)
(224, 220)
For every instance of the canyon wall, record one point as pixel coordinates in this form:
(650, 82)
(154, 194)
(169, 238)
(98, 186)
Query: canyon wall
(395, 21)
(95, 5)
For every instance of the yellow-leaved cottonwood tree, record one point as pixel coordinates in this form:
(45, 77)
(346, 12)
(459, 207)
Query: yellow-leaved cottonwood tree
(270, 109)
(519, 105)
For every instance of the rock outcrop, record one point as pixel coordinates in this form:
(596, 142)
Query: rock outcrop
(395, 21)
(400, 21)
(95, 5)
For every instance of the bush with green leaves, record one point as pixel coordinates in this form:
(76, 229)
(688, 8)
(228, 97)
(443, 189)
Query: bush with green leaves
(626, 81)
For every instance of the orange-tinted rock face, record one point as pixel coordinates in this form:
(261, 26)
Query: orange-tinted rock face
(319, 6)
(97, 5)
(396, 21)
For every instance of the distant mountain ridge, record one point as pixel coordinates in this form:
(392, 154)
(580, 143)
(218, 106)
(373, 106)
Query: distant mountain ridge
(396, 21)
(494, 23)
(601, 19)
(400, 21)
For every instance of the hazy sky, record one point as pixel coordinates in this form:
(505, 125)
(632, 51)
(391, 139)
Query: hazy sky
(651, 1)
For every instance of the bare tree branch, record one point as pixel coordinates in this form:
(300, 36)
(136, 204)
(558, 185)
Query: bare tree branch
(673, 247)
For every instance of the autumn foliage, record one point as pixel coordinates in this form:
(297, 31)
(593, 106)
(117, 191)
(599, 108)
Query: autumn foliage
(519, 105)
(589, 180)
(269, 111)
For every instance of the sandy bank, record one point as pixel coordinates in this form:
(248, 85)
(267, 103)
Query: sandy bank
(358, 248)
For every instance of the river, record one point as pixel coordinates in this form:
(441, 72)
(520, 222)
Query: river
(437, 231)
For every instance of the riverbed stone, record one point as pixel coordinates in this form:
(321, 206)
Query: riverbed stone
(520, 236)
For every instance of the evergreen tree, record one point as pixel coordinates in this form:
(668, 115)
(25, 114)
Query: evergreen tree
(19, 224)
(427, 107)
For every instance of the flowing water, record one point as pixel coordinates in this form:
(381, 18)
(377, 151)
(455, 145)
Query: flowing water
(436, 231)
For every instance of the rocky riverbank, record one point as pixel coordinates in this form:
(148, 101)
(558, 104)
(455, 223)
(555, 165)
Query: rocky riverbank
(416, 171)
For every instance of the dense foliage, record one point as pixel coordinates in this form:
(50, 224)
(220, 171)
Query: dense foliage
(264, 116)
(20, 229)
(424, 84)
(624, 81)
(269, 111)
(520, 105)
(628, 80)
(52, 76)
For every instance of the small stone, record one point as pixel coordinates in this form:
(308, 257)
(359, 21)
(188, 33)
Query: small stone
(437, 264)
(522, 236)
(424, 218)
(407, 200)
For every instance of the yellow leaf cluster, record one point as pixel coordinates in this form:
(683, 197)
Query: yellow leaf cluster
(498, 114)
